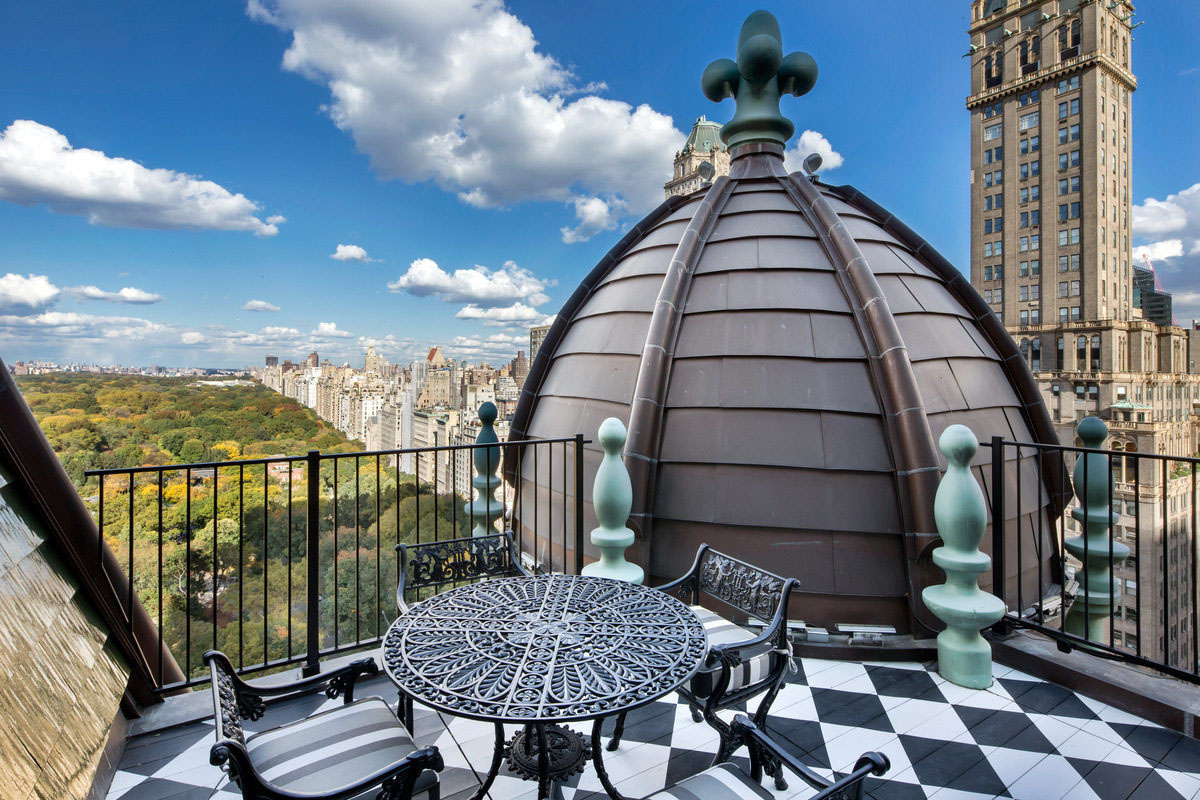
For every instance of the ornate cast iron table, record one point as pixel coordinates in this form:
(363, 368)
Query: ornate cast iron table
(541, 652)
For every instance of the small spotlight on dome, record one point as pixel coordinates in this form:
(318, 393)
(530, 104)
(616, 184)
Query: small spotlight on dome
(811, 164)
(706, 171)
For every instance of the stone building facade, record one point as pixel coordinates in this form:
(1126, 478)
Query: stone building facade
(1051, 254)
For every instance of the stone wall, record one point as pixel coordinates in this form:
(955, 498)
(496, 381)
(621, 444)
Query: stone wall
(61, 679)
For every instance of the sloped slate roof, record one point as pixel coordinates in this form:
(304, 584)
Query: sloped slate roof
(785, 355)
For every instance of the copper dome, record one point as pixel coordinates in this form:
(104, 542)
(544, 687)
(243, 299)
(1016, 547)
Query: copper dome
(785, 355)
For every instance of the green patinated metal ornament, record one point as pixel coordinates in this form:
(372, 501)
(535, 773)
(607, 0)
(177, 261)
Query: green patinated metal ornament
(964, 656)
(759, 78)
(1098, 593)
(612, 497)
(485, 509)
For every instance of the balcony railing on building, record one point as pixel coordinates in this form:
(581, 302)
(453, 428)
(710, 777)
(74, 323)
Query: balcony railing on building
(288, 560)
(1125, 574)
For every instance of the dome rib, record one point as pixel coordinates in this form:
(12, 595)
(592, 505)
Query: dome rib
(904, 418)
(1033, 407)
(653, 376)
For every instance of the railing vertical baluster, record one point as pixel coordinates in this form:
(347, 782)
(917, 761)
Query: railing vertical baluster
(1137, 545)
(337, 523)
(1166, 591)
(1085, 585)
(357, 560)
(435, 456)
(266, 562)
(1018, 537)
(1062, 560)
(187, 572)
(1195, 659)
(565, 463)
(1041, 536)
(129, 593)
(999, 567)
(312, 664)
(417, 492)
(241, 562)
(537, 528)
(291, 557)
(216, 563)
(160, 578)
(578, 503)
(378, 545)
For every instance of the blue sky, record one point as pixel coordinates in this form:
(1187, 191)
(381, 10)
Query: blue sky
(167, 167)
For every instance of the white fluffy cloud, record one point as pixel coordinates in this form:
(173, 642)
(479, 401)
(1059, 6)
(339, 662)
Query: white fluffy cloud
(129, 294)
(350, 252)
(1156, 251)
(330, 330)
(38, 165)
(457, 92)
(477, 285)
(29, 294)
(259, 305)
(1168, 233)
(812, 142)
(594, 214)
(518, 314)
(26, 293)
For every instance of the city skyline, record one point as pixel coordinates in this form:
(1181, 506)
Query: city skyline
(317, 231)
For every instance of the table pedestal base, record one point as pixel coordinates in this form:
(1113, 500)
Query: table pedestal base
(547, 753)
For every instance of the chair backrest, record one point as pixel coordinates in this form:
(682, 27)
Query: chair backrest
(750, 589)
(228, 707)
(455, 561)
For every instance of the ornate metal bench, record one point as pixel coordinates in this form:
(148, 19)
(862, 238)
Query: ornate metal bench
(726, 781)
(333, 754)
(741, 664)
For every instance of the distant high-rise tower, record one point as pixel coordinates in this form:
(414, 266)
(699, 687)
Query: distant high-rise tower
(536, 336)
(1154, 302)
(374, 363)
(703, 145)
(312, 362)
(272, 361)
(1051, 171)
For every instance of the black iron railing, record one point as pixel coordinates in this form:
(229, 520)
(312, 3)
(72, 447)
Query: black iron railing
(1155, 617)
(286, 560)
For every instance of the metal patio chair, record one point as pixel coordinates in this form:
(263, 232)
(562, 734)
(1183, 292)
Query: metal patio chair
(455, 561)
(331, 755)
(741, 663)
(726, 781)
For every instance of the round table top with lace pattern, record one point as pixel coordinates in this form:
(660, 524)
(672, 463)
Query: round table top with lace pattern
(546, 648)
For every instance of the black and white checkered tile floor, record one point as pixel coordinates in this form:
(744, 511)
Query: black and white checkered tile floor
(1023, 738)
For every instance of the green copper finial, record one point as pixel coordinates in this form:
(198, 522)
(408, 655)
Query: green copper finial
(760, 77)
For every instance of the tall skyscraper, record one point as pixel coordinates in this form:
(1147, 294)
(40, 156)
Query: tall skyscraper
(537, 335)
(1051, 172)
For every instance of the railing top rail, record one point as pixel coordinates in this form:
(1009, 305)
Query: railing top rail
(1071, 449)
(322, 456)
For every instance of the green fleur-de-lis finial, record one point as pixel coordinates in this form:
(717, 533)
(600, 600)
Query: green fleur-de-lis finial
(760, 77)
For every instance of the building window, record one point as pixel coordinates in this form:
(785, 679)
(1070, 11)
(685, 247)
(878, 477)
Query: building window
(1035, 350)
(1062, 318)
(1035, 218)
(1035, 317)
(1074, 288)
(1063, 287)
(1031, 96)
(1024, 219)
(1023, 294)
(1067, 84)
(993, 132)
(1023, 244)
(1096, 351)
(1028, 121)
(1081, 353)
(987, 273)
(1035, 242)
(1035, 266)
(1074, 313)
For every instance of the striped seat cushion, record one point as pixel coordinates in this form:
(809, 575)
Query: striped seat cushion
(331, 750)
(755, 662)
(722, 782)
